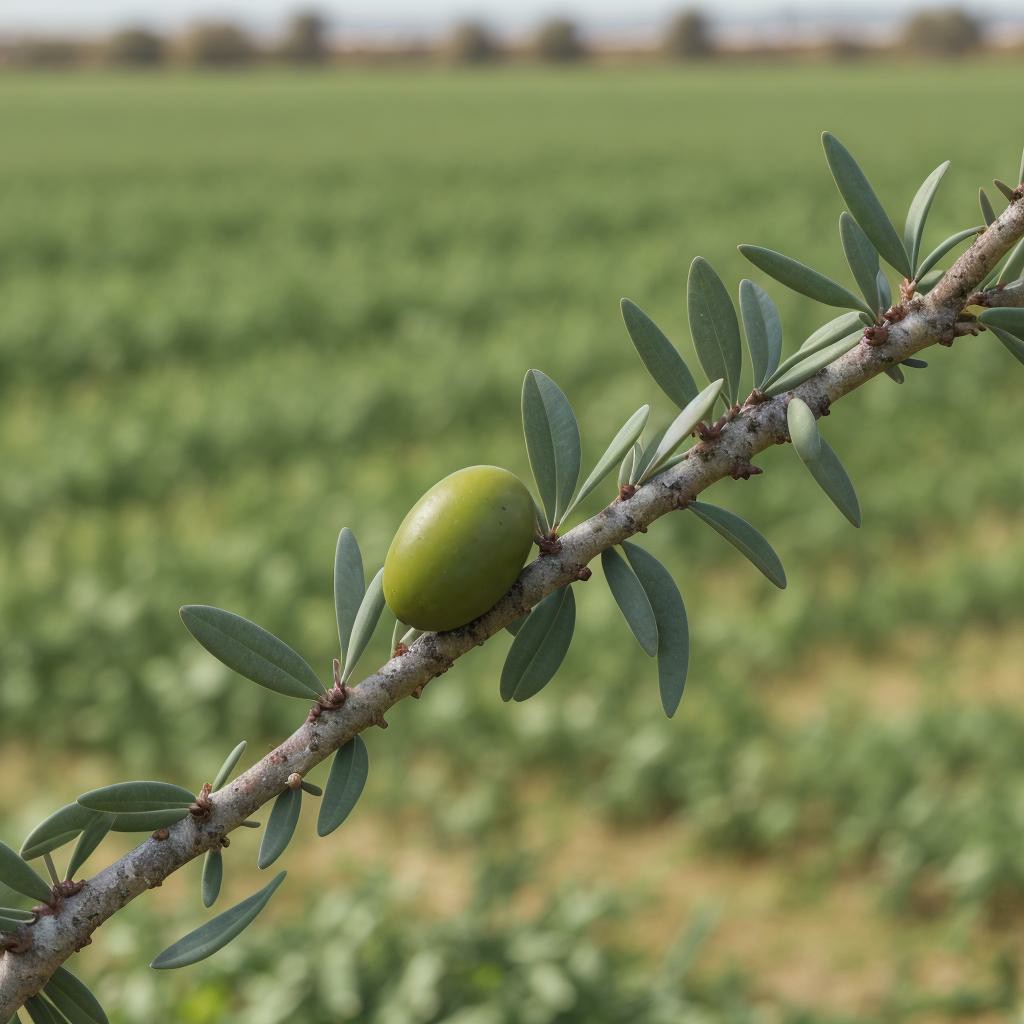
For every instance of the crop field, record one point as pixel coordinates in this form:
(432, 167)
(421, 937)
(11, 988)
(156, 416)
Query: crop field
(239, 312)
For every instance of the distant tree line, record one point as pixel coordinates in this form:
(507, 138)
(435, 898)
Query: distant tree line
(688, 36)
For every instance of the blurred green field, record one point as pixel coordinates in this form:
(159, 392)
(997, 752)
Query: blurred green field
(239, 312)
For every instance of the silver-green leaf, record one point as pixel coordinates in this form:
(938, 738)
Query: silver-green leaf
(913, 231)
(632, 600)
(540, 646)
(862, 258)
(228, 766)
(763, 329)
(714, 327)
(131, 797)
(284, 816)
(213, 876)
(988, 214)
(945, 246)
(620, 444)
(345, 783)
(738, 532)
(40, 1011)
(673, 628)
(808, 366)
(801, 278)
(217, 933)
(59, 828)
(349, 585)
(92, 835)
(74, 999)
(821, 460)
(251, 651)
(1012, 344)
(864, 205)
(148, 821)
(17, 875)
(682, 426)
(662, 359)
(365, 623)
(552, 442)
(1014, 266)
(1006, 318)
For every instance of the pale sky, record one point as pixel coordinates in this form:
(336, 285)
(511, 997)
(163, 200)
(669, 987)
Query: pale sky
(427, 15)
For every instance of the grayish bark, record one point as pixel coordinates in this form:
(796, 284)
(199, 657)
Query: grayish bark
(934, 318)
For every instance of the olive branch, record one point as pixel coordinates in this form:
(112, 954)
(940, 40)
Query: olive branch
(875, 335)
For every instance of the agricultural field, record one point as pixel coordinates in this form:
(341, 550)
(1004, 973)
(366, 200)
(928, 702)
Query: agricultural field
(239, 312)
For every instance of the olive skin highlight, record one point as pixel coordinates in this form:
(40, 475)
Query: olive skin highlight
(459, 549)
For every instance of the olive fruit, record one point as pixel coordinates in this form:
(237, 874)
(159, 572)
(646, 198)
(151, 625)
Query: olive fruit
(459, 549)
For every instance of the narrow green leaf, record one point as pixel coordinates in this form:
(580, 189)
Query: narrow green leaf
(16, 915)
(861, 257)
(551, 430)
(744, 538)
(284, 816)
(213, 876)
(620, 444)
(148, 821)
(217, 933)
(763, 328)
(659, 355)
(864, 204)
(801, 278)
(673, 628)
(988, 214)
(74, 999)
(1008, 194)
(811, 364)
(251, 651)
(92, 835)
(895, 373)
(540, 647)
(632, 600)
(131, 797)
(917, 364)
(10, 923)
(1012, 344)
(628, 464)
(884, 291)
(228, 766)
(1020, 173)
(682, 427)
(917, 216)
(40, 1011)
(516, 625)
(17, 875)
(311, 788)
(643, 460)
(821, 460)
(345, 783)
(1014, 266)
(1006, 318)
(365, 623)
(943, 248)
(714, 327)
(349, 586)
(59, 828)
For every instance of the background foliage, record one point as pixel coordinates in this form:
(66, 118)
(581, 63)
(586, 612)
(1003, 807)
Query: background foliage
(241, 312)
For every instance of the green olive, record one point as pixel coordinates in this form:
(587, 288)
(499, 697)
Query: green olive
(459, 549)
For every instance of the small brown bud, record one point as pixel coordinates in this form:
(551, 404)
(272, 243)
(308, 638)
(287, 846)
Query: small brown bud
(294, 780)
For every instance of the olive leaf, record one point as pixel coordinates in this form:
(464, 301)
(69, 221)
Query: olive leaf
(763, 329)
(228, 766)
(131, 797)
(943, 248)
(822, 463)
(517, 624)
(647, 452)
(92, 835)
(682, 427)
(916, 364)
(218, 932)
(251, 651)
(632, 600)
(1012, 344)
(147, 821)
(714, 327)
(862, 259)
(1008, 193)
(620, 444)
(552, 442)
(365, 623)
(629, 461)
(673, 628)
(1006, 318)
(894, 373)
(801, 278)
(884, 291)
(661, 358)
(540, 646)
(811, 364)
(74, 999)
(988, 214)
(738, 532)
(345, 783)
(1014, 265)
(864, 205)
(12, 919)
(284, 816)
(213, 876)
(913, 231)
(41, 1011)
(17, 875)
(349, 586)
(59, 828)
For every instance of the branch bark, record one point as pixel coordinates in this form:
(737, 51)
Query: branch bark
(928, 320)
